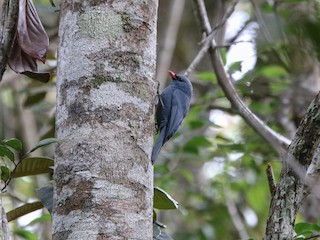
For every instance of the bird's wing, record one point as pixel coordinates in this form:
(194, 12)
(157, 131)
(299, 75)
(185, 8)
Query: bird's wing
(163, 109)
(180, 103)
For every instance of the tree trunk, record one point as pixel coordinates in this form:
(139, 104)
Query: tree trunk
(8, 22)
(291, 190)
(105, 97)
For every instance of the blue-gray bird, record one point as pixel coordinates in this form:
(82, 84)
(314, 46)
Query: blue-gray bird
(173, 105)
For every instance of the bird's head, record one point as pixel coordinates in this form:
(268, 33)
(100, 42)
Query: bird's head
(181, 78)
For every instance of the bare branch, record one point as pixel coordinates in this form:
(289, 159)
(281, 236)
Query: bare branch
(235, 217)
(233, 39)
(271, 180)
(277, 141)
(206, 42)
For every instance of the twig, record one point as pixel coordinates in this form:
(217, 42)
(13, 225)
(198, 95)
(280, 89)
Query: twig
(267, 35)
(233, 43)
(203, 51)
(223, 21)
(206, 42)
(271, 180)
(235, 217)
(233, 39)
(259, 17)
(277, 141)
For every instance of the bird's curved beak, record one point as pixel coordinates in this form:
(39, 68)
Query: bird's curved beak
(172, 74)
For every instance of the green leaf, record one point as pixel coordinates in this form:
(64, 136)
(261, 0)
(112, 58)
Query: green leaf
(23, 210)
(154, 216)
(43, 218)
(306, 228)
(5, 173)
(26, 234)
(273, 71)
(195, 143)
(162, 200)
(32, 166)
(234, 67)
(207, 76)
(187, 174)
(4, 151)
(44, 142)
(223, 53)
(45, 195)
(14, 143)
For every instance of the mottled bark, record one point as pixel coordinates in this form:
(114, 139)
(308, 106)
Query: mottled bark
(291, 190)
(105, 98)
(8, 21)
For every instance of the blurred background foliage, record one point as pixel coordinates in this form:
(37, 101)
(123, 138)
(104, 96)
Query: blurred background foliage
(215, 165)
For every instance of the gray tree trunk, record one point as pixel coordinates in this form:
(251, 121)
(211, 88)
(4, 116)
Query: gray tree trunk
(295, 181)
(105, 97)
(8, 22)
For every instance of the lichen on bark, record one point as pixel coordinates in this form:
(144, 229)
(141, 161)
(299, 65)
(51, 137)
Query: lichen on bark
(106, 88)
(292, 187)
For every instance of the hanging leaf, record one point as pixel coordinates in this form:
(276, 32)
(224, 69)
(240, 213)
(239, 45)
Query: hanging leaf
(32, 37)
(32, 166)
(5, 173)
(34, 98)
(162, 200)
(44, 142)
(40, 76)
(4, 151)
(30, 44)
(45, 194)
(23, 210)
(20, 61)
(14, 143)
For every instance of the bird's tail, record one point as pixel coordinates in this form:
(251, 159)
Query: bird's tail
(157, 147)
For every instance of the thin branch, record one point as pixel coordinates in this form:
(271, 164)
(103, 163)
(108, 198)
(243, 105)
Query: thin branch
(217, 107)
(235, 217)
(223, 21)
(259, 17)
(271, 179)
(206, 42)
(277, 141)
(267, 35)
(244, 26)
(8, 21)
